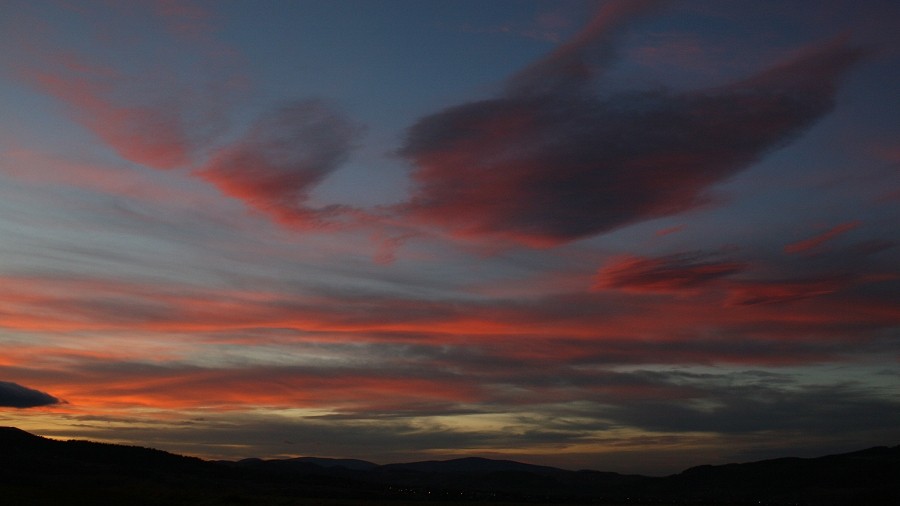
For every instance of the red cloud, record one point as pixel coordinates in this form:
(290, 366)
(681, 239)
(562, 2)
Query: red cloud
(663, 274)
(670, 230)
(762, 322)
(41, 169)
(547, 162)
(576, 62)
(273, 167)
(751, 293)
(814, 242)
(151, 111)
(151, 134)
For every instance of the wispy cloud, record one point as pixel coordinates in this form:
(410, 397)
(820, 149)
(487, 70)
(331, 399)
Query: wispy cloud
(671, 273)
(775, 291)
(153, 133)
(814, 243)
(282, 157)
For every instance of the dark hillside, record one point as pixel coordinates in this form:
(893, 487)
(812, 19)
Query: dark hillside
(869, 476)
(39, 471)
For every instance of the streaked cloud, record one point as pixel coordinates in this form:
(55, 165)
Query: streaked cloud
(671, 273)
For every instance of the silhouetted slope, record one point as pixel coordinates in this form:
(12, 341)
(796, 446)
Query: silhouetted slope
(352, 464)
(24, 452)
(868, 476)
(471, 465)
(13, 438)
(479, 478)
(39, 471)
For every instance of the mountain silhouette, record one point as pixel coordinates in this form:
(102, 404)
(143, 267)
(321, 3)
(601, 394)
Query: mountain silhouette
(475, 465)
(354, 464)
(40, 471)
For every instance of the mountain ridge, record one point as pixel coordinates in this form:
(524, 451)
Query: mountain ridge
(36, 470)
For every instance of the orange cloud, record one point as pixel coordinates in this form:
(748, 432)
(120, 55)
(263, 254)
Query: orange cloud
(110, 385)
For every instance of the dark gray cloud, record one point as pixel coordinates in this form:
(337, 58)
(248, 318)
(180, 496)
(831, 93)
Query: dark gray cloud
(548, 161)
(744, 407)
(13, 395)
(283, 156)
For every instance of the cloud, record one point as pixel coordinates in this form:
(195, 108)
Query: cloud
(191, 21)
(776, 291)
(153, 133)
(768, 404)
(288, 151)
(664, 274)
(670, 230)
(731, 324)
(171, 110)
(528, 413)
(813, 243)
(333, 387)
(162, 108)
(13, 395)
(548, 161)
(45, 171)
(575, 63)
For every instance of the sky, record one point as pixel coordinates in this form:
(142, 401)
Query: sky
(628, 236)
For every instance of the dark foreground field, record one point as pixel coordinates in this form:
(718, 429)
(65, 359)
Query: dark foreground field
(39, 471)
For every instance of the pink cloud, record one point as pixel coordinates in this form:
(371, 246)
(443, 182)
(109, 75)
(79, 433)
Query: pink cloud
(814, 243)
(150, 111)
(285, 154)
(186, 19)
(575, 62)
(152, 134)
(670, 230)
(751, 293)
(42, 169)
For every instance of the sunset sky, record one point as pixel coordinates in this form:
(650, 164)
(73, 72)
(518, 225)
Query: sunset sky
(628, 236)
